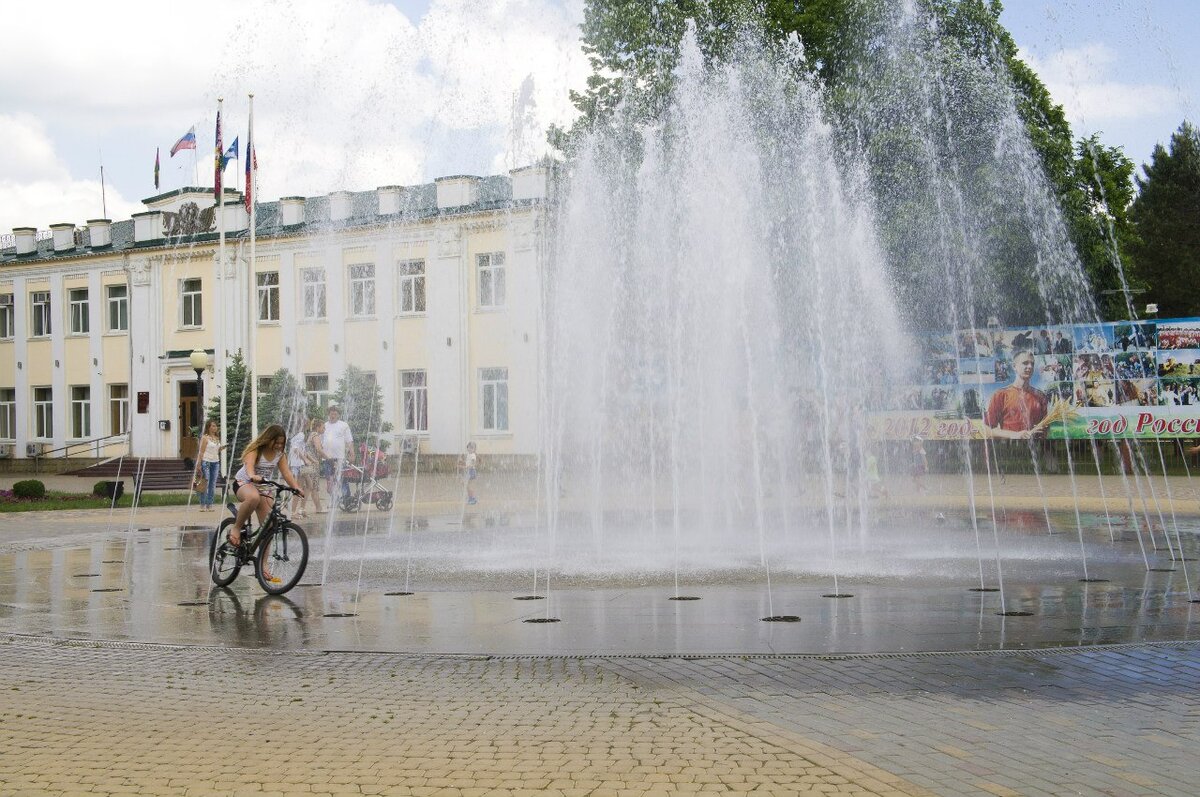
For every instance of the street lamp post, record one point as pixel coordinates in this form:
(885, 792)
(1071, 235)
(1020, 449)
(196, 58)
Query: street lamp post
(199, 361)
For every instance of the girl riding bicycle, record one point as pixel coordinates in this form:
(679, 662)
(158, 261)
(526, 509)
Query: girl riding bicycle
(260, 459)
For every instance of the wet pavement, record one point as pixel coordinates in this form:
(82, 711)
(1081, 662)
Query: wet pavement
(151, 585)
(124, 672)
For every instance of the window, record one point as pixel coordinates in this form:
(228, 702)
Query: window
(190, 314)
(317, 388)
(43, 412)
(8, 317)
(491, 279)
(264, 385)
(81, 412)
(313, 282)
(118, 308)
(414, 400)
(268, 295)
(412, 286)
(493, 388)
(78, 297)
(8, 413)
(362, 290)
(41, 314)
(118, 409)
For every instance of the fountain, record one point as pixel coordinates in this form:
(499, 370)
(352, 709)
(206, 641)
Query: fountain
(726, 347)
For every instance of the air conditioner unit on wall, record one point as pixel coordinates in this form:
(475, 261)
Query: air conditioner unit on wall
(34, 449)
(6, 450)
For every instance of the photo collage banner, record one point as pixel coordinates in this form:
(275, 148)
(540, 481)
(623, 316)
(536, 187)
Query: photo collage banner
(1123, 379)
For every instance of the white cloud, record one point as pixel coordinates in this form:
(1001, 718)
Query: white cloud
(348, 93)
(36, 189)
(1079, 78)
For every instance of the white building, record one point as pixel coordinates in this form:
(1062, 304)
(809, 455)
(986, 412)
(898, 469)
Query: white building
(434, 288)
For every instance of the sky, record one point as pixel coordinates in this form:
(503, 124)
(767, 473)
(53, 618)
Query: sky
(353, 94)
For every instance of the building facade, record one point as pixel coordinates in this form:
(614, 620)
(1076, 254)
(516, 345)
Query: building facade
(435, 289)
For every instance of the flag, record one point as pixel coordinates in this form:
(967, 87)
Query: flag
(218, 162)
(186, 141)
(251, 167)
(230, 154)
(156, 168)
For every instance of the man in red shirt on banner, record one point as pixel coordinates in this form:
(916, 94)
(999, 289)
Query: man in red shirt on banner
(1014, 411)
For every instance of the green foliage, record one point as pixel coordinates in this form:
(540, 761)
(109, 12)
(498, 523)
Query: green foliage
(1106, 241)
(237, 406)
(633, 48)
(361, 401)
(29, 488)
(100, 488)
(1166, 253)
(283, 402)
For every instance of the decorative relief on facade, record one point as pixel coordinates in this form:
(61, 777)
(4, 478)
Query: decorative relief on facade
(448, 242)
(190, 220)
(139, 269)
(524, 236)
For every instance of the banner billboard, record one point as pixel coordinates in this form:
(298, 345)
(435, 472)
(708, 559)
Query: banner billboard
(1123, 379)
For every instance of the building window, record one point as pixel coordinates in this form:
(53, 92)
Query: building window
(118, 409)
(41, 314)
(264, 385)
(81, 412)
(412, 286)
(118, 308)
(43, 412)
(268, 295)
(80, 321)
(190, 311)
(313, 282)
(493, 388)
(362, 290)
(491, 279)
(414, 400)
(8, 413)
(316, 386)
(8, 316)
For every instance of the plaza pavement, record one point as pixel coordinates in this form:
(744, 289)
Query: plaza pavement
(126, 718)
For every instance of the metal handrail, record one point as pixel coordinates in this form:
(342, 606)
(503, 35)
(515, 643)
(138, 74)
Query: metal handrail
(97, 442)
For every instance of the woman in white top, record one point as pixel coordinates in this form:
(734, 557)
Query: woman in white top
(297, 459)
(262, 457)
(210, 462)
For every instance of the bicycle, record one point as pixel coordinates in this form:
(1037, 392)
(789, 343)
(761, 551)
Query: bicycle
(278, 548)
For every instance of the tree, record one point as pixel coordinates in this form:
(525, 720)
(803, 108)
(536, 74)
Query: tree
(361, 402)
(884, 79)
(237, 406)
(1105, 244)
(283, 402)
(1166, 214)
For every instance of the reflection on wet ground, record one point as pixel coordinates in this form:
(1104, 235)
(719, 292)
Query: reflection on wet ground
(911, 591)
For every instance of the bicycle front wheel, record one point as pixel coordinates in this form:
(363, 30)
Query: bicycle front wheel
(223, 562)
(282, 558)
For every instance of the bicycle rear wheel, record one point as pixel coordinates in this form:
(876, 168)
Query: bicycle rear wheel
(282, 558)
(223, 564)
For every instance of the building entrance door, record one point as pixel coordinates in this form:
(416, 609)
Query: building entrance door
(189, 420)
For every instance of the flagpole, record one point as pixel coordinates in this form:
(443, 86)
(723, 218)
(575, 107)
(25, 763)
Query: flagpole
(252, 294)
(221, 344)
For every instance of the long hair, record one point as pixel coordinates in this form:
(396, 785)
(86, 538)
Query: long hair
(265, 438)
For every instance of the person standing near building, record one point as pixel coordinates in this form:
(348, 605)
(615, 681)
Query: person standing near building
(297, 457)
(316, 459)
(336, 442)
(467, 465)
(210, 462)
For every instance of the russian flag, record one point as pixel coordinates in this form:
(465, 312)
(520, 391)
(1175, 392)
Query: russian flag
(187, 141)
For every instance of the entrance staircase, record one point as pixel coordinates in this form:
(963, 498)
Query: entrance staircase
(157, 474)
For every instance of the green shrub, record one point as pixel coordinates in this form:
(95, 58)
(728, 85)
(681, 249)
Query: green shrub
(30, 488)
(100, 489)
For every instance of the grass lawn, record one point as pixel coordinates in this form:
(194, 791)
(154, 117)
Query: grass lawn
(60, 500)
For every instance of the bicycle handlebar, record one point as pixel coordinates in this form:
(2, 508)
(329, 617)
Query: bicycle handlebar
(282, 488)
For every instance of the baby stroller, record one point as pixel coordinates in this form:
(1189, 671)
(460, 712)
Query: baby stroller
(360, 483)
